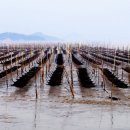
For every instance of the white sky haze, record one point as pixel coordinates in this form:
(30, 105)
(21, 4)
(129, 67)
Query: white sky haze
(84, 19)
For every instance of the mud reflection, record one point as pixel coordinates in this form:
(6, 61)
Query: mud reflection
(55, 90)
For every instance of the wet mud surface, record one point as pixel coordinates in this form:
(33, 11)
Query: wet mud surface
(39, 106)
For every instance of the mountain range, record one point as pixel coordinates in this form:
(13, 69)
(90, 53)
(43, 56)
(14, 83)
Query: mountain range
(23, 37)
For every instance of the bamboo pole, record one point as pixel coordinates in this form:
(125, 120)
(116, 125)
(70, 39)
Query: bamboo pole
(114, 65)
(98, 69)
(36, 92)
(128, 56)
(103, 85)
(22, 64)
(122, 71)
(70, 85)
(71, 72)
(11, 67)
(42, 67)
(6, 78)
(17, 65)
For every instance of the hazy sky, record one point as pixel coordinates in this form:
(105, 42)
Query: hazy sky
(85, 19)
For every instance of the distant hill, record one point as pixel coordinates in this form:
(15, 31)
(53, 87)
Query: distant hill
(32, 37)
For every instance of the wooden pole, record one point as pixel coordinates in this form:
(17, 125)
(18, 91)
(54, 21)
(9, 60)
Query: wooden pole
(128, 56)
(17, 65)
(6, 78)
(22, 64)
(114, 66)
(36, 92)
(42, 68)
(71, 88)
(103, 77)
(11, 67)
(111, 91)
(71, 72)
(122, 71)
